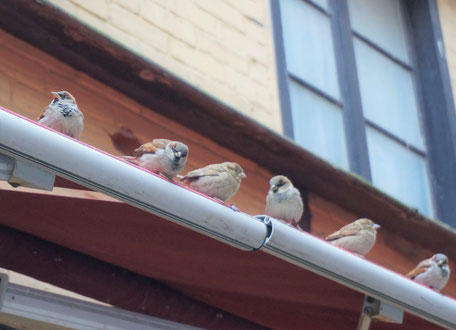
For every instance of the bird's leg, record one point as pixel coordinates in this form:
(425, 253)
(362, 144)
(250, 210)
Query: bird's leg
(164, 176)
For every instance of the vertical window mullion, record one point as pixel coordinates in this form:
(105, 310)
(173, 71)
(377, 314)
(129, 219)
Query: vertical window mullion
(354, 125)
(282, 72)
(437, 104)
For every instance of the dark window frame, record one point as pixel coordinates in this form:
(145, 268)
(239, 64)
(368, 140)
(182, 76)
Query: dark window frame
(434, 97)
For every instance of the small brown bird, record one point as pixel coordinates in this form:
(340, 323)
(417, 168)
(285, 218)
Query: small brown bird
(433, 272)
(357, 237)
(284, 201)
(161, 156)
(63, 115)
(220, 181)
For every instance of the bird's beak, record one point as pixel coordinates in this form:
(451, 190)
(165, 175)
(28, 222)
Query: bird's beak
(243, 176)
(275, 188)
(56, 95)
(377, 226)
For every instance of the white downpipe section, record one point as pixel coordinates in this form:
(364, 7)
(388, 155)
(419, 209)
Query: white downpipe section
(26, 140)
(37, 145)
(318, 256)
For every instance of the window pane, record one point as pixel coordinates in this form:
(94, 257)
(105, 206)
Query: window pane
(387, 94)
(321, 3)
(380, 21)
(399, 171)
(318, 125)
(309, 47)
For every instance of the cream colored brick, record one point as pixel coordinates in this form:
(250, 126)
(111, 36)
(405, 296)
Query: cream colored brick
(65, 5)
(131, 5)
(225, 13)
(222, 52)
(254, 9)
(189, 11)
(209, 66)
(257, 33)
(97, 7)
(163, 3)
(207, 43)
(204, 21)
(134, 25)
(259, 53)
(183, 29)
(176, 26)
(234, 40)
(238, 81)
(198, 60)
(260, 95)
(155, 14)
(259, 72)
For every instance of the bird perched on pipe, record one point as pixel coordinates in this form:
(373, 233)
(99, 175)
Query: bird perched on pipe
(63, 115)
(357, 237)
(219, 181)
(161, 156)
(433, 272)
(284, 201)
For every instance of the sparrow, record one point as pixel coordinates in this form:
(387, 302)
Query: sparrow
(357, 237)
(284, 201)
(433, 272)
(161, 156)
(219, 181)
(63, 115)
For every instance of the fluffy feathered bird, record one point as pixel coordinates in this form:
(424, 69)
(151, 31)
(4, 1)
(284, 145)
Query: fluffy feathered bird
(220, 181)
(357, 237)
(63, 115)
(284, 201)
(161, 156)
(433, 272)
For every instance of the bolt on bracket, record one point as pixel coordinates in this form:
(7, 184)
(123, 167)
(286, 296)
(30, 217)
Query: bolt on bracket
(18, 173)
(374, 309)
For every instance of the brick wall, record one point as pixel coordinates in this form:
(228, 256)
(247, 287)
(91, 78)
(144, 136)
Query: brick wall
(447, 12)
(223, 47)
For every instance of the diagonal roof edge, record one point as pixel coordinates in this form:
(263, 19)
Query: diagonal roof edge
(55, 32)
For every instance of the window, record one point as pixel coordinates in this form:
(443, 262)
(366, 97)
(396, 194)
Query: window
(351, 85)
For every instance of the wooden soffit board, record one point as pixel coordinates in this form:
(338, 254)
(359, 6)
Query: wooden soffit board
(121, 255)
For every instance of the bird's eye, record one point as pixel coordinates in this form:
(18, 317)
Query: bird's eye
(275, 188)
